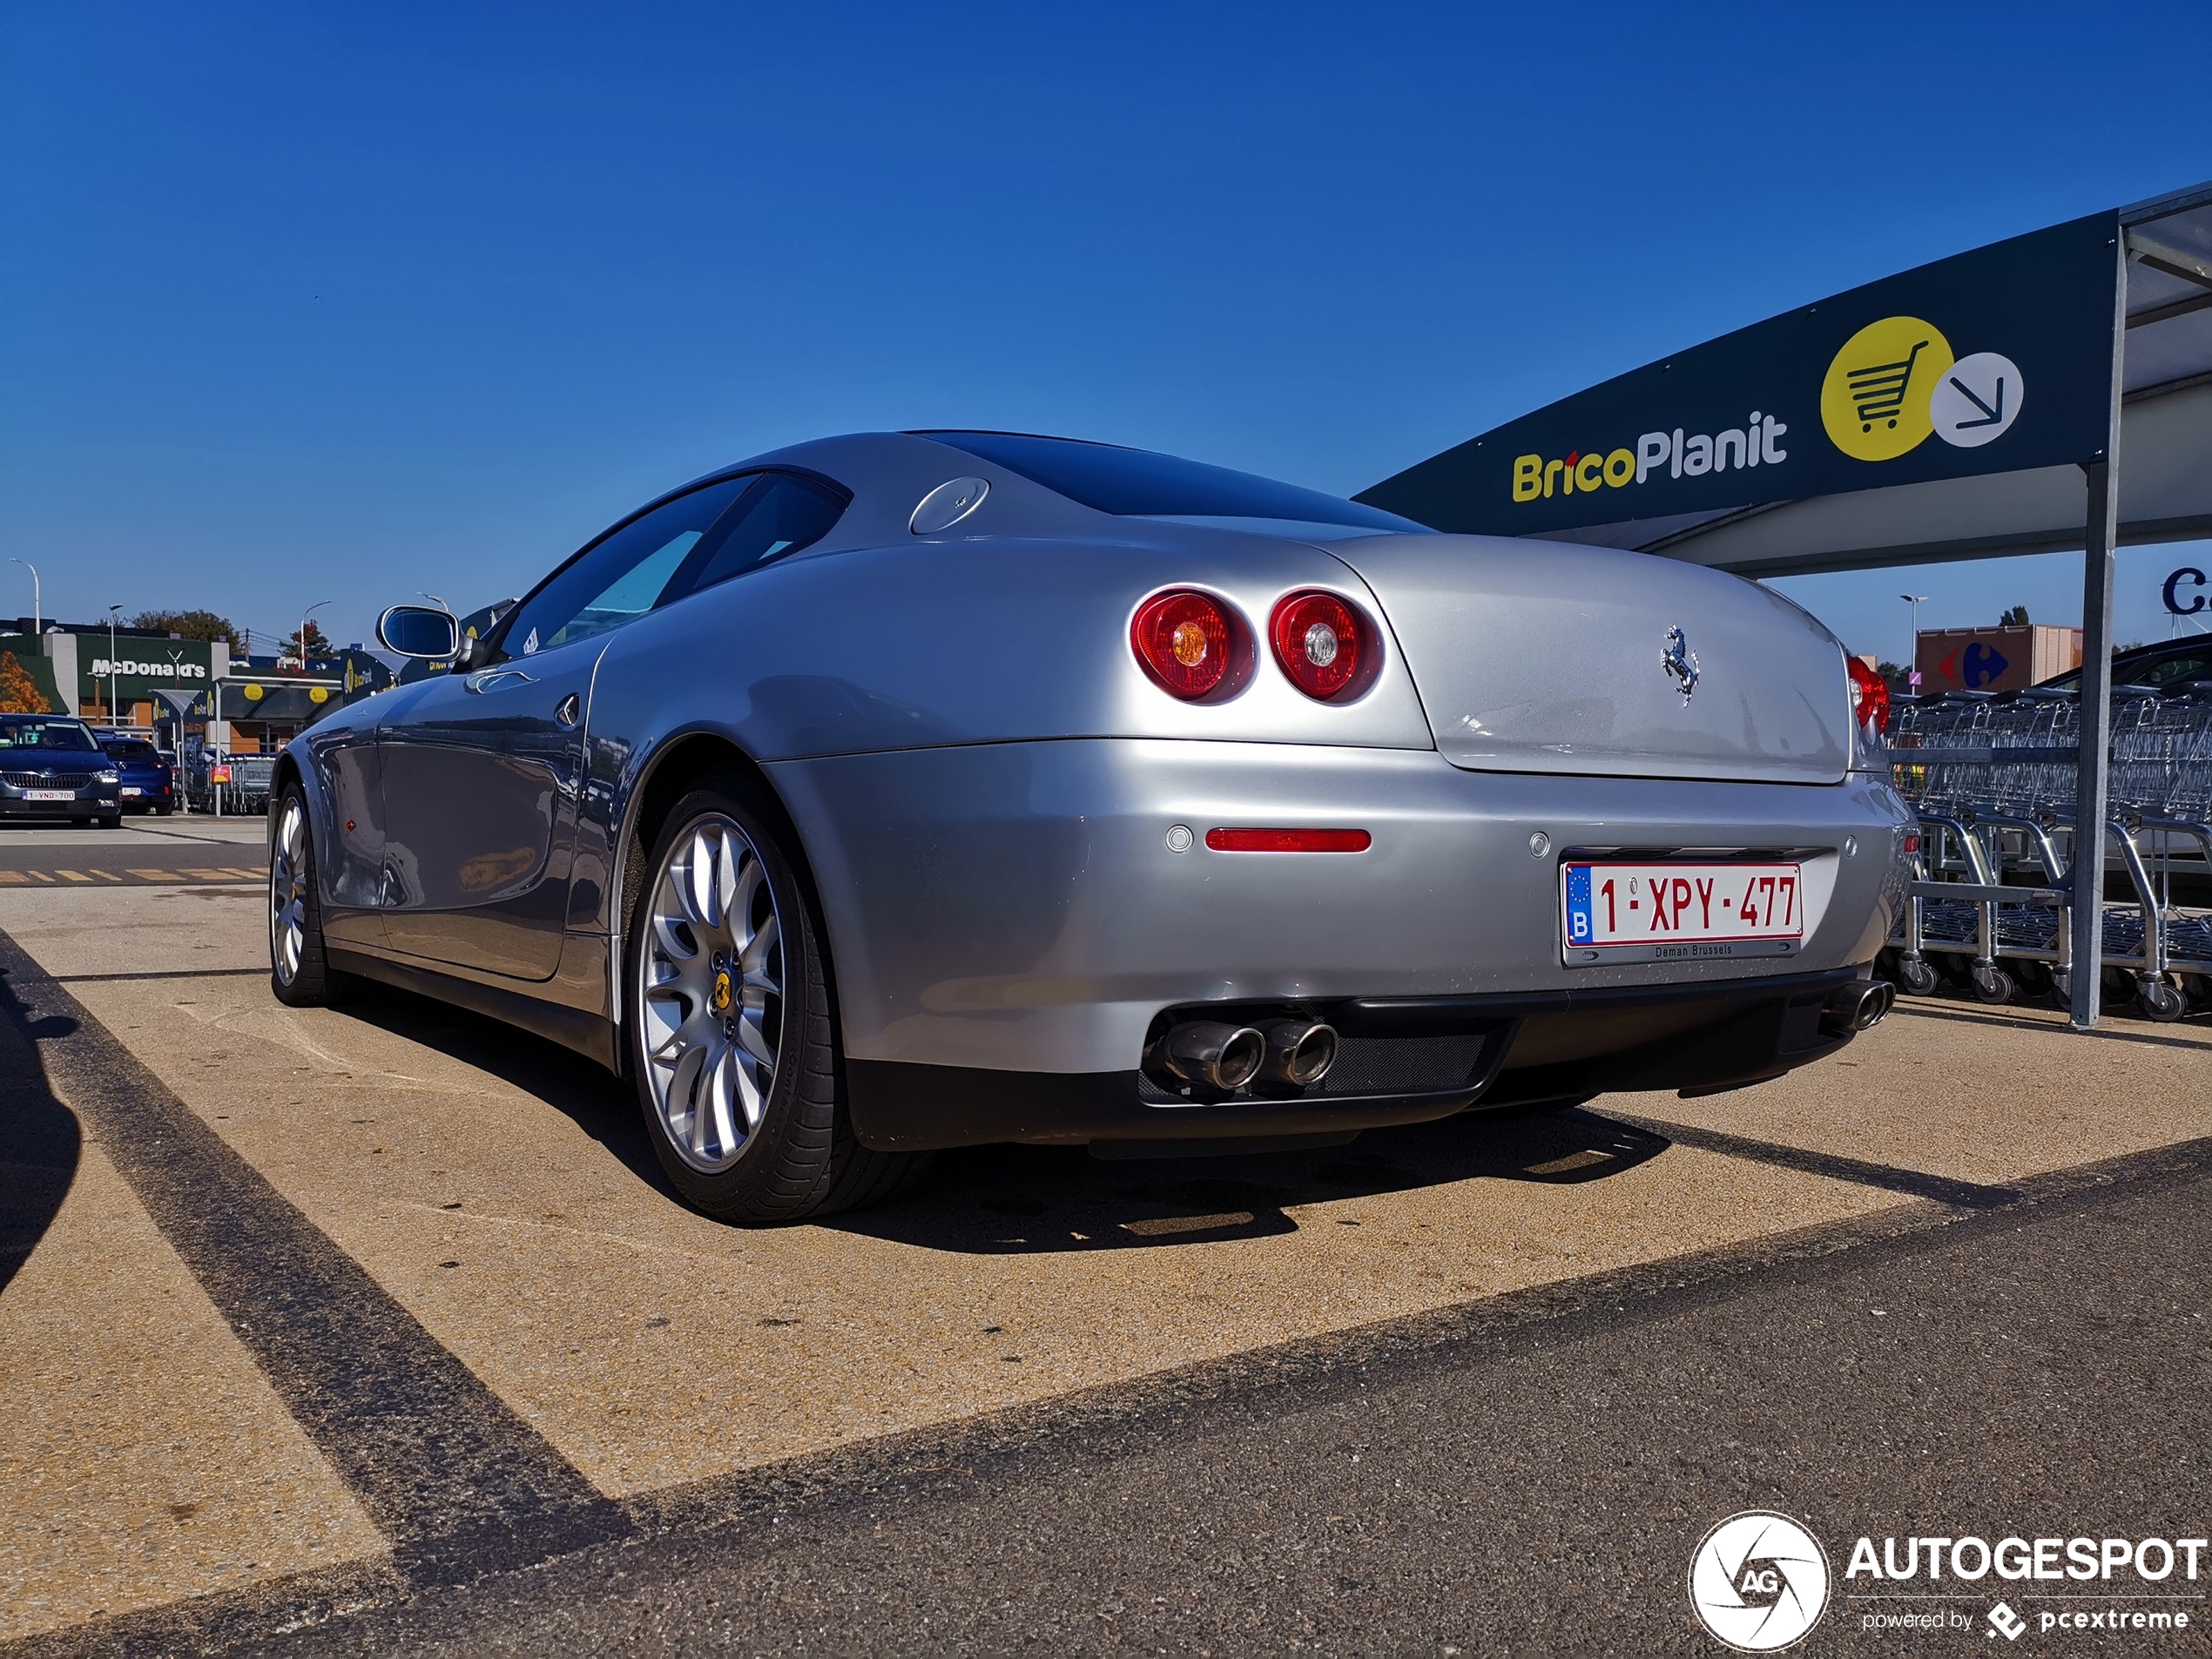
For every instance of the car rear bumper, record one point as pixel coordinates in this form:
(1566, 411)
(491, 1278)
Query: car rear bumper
(1020, 907)
(1403, 1061)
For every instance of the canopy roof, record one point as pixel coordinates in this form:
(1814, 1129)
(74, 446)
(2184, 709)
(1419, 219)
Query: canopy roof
(2164, 464)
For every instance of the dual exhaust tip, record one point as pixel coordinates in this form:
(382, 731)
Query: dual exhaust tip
(1295, 1053)
(1859, 1006)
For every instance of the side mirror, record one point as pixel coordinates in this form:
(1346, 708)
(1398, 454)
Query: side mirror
(419, 631)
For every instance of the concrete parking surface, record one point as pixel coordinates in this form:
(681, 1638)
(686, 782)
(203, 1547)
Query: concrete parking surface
(334, 1320)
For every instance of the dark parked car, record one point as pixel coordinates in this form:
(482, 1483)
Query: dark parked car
(53, 767)
(145, 781)
(2175, 663)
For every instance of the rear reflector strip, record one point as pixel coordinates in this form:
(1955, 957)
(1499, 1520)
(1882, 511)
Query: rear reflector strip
(1289, 841)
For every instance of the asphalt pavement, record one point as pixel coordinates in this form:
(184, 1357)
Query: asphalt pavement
(375, 1328)
(1530, 1482)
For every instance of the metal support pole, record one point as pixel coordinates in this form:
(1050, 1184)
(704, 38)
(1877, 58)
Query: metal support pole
(2099, 562)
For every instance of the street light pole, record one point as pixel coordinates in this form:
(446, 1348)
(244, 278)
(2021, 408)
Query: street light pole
(112, 610)
(38, 608)
(1913, 657)
(304, 614)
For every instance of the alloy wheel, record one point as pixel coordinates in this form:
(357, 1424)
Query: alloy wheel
(288, 892)
(711, 993)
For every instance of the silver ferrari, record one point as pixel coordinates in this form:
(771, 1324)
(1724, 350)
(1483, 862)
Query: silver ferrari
(915, 790)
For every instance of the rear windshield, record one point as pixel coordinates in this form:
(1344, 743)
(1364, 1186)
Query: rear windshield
(69, 736)
(1110, 479)
(132, 749)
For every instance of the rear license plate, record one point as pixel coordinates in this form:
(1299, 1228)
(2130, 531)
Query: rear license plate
(50, 794)
(130, 789)
(1664, 912)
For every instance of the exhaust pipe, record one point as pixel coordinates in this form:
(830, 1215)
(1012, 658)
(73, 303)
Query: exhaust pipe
(1298, 1052)
(1859, 1006)
(1221, 1056)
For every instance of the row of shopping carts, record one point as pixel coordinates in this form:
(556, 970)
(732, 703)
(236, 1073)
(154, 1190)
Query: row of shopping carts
(1993, 778)
(223, 784)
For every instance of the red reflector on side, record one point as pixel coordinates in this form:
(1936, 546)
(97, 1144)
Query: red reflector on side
(1289, 841)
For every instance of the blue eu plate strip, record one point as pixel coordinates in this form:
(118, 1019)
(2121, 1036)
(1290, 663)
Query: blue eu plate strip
(1580, 929)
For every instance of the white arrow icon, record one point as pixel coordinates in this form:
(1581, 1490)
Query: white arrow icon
(1977, 400)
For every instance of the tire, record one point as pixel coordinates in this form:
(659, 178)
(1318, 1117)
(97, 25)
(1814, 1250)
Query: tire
(163, 812)
(300, 973)
(113, 820)
(2161, 999)
(1916, 976)
(732, 1040)
(1992, 985)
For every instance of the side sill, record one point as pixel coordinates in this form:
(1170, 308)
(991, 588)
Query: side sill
(589, 1034)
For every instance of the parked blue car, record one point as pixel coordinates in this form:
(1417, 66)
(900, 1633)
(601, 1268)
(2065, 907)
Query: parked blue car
(145, 782)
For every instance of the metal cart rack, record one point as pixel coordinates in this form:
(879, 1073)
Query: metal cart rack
(1992, 779)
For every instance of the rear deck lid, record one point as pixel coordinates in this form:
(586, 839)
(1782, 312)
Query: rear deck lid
(1546, 656)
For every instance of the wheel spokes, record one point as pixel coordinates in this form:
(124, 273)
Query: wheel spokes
(709, 1045)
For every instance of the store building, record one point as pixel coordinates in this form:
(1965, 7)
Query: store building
(187, 692)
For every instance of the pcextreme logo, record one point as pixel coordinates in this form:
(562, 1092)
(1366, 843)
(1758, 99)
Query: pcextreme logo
(1896, 381)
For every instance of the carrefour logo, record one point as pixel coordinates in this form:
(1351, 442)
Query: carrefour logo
(1756, 443)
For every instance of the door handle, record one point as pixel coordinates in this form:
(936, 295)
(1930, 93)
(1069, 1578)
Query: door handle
(484, 679)
(568, 712)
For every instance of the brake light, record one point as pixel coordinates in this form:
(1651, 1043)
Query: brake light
(1320, 640)
(1870, 696)
(1289, 841)
(1183, 641)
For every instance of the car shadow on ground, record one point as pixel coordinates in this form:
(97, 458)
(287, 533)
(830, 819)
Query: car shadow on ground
(599, 1103)
(1023, 1200)
(40, 1140)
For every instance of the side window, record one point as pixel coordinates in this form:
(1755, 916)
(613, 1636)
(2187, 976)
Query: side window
(622, 577)
(780, 514)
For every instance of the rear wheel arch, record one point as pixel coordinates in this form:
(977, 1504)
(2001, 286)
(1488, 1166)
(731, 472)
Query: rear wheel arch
(683, 763)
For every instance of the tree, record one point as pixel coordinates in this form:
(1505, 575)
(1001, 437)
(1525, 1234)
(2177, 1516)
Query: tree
(2016, 617)
(19, 693)
(193, 624)
(317, 642)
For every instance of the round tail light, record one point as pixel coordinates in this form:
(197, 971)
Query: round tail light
(1320, 641)
(1870, 696)
(1183, 641)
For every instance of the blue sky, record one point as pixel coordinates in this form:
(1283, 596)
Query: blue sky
(349, 303)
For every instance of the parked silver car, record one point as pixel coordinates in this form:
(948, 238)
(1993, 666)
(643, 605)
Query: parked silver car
(915, 790)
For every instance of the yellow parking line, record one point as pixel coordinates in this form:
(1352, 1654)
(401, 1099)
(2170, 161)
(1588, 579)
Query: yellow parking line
(107, 875)
(73, 875)
(40, 875)
(156, 875)
(14, 878)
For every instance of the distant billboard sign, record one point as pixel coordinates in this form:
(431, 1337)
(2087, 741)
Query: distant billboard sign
(136, 669)
(1995, 659)
(1997, 359)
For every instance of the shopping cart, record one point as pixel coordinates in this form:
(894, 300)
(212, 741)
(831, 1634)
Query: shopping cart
(1993, 778)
